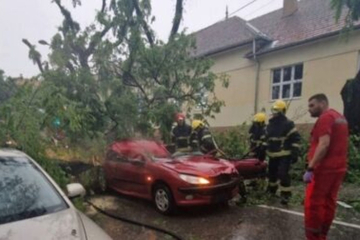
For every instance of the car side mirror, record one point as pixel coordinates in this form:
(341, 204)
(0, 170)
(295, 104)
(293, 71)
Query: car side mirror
(75, 190)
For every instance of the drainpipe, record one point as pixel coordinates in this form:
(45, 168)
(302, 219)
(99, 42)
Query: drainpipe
(257, 76)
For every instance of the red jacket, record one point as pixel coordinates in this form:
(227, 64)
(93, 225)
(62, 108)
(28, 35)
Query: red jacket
(333, 123)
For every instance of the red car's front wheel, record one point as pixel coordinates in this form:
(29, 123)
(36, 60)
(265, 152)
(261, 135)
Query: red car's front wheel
(163, 199)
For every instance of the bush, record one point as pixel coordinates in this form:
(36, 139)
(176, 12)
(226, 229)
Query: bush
(234, 142)
(353, 174)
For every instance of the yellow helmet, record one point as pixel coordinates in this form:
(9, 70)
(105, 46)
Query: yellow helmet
(279, 106)
(196, 123)
(259, 117)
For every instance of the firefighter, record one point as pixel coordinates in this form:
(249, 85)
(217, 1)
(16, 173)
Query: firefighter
(283, 148)
(351, 99)
(180, 134)
(201, 138)
(257, 136)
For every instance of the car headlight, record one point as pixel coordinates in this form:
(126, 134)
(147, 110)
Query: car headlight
(194, 180)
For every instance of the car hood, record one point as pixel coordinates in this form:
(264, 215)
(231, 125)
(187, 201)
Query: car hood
(66, 224)
(200, 165)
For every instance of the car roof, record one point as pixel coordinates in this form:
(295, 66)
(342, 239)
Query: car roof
(8, 152)
(130, 146)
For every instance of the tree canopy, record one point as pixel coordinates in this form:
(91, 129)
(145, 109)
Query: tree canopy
(352, 8)
(115, 76)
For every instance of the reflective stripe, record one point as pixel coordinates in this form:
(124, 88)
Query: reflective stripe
(282, 153)
(184, 149)
(285, 189)
(180, 138)
(206, 136)
(203, 148)
(294, 130)
(273, 184)
(296, 145)
(277, 139)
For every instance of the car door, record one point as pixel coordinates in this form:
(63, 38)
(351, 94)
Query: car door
(129, 174)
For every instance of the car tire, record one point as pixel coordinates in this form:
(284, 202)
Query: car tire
(163, 199)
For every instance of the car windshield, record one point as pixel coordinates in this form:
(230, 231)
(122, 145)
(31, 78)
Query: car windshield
(25, 192)
(177, 156)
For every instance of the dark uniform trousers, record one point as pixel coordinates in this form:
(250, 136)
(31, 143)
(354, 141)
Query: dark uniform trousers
(283, 149)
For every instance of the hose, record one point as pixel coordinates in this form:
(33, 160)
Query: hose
(134, 222)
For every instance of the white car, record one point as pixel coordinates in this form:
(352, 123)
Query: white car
(33, 207)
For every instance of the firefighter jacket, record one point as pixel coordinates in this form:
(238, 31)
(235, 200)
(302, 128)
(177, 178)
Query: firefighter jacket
(202, 140)
(257, 140)
(350, 95)
(282, 138)
(181, 137)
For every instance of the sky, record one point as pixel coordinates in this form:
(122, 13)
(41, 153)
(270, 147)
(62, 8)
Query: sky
(39, 19)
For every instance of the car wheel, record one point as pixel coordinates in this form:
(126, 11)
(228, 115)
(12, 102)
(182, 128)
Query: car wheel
(163, 199)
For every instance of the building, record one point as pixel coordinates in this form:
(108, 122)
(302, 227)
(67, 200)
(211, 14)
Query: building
(289, 54)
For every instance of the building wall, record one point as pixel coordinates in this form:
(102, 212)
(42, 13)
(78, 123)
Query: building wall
(239, 96)
(327, 65)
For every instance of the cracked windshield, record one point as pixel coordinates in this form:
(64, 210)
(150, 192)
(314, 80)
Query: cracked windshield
(180, 119)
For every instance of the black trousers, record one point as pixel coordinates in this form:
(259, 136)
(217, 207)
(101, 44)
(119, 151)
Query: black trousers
(279, 169)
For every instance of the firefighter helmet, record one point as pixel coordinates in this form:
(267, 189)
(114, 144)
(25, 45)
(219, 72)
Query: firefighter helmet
(196, 124)
(179, 116)
(279, 106)
(259, 117)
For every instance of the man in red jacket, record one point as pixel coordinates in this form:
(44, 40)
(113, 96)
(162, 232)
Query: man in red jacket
(327, 164)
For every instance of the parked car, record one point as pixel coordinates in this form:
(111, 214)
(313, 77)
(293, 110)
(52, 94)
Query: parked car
(33, 207)
(145, 169)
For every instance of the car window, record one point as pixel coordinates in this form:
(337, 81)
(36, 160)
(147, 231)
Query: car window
(115, 157)
(25, 192)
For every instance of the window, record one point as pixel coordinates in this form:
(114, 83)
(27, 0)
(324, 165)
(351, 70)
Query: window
(25, 192)
(287, 82)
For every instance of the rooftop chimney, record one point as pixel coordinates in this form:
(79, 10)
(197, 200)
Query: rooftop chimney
(290, 6)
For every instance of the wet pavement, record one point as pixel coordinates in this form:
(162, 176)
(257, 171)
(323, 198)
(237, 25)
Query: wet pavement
(212, 222)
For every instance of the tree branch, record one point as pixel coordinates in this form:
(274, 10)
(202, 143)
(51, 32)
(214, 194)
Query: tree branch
(67, 15)
(96, 39)
(177, 18)
(103, 8)
(143, 22)
(34, 55)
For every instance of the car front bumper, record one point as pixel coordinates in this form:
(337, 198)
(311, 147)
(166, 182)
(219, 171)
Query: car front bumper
(201, 195)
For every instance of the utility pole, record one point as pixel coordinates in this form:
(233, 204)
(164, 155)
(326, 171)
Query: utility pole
(227, 13)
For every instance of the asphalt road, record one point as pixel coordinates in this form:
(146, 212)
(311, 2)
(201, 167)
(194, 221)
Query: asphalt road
(215, 222)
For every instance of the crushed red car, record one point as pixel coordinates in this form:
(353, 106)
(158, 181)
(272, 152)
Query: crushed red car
(145, 169)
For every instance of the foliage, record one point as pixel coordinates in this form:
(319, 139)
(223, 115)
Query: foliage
(7, 87)
(351, 6)
(353, 174)
(234, 142)
(21, 122)
(114, 77)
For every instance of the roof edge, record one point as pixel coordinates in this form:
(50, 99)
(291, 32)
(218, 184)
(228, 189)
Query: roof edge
(219, 50)
(290, 45)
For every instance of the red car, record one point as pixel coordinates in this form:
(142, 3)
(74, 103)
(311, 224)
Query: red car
(146, 169)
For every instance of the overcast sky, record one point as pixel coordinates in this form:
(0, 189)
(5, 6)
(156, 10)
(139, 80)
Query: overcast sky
(38, 19)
